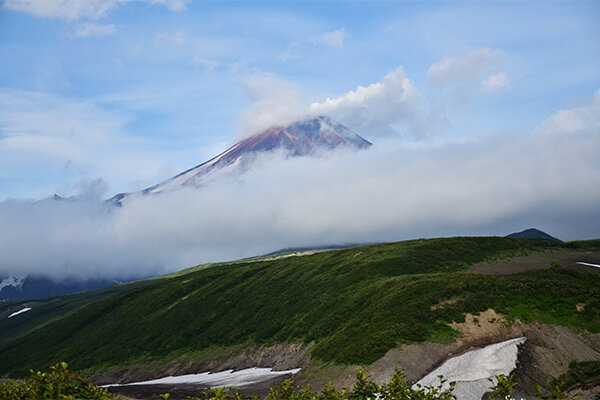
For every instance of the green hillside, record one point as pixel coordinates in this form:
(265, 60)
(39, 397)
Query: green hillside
(49, 310)
(354, 303)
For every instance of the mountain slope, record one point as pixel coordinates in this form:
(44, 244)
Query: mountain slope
(302, 138)
(533, 233)
(356, 304)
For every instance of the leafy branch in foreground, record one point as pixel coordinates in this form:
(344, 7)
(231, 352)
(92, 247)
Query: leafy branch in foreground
(399, 388)
(504, 387)
(59, 383)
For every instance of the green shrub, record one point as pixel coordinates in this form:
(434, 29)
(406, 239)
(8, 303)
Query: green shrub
(399, 388)
(59, 383)
(579, 373)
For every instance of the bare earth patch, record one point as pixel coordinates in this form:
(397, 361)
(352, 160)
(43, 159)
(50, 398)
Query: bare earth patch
(535, 261)
(544, 356)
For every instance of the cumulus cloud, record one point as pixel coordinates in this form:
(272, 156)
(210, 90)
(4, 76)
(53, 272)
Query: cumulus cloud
(89, 29)
(577, 120)
(495, 83)
(331, 39)
(475, 73)
(390, 106)
(389, 192)
(72, 10)
(452, 70)
(274, 102)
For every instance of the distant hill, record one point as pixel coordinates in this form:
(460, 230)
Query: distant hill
(19, 288)
(532, 233)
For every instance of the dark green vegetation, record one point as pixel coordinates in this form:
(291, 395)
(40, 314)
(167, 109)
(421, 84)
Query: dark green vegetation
(49, 310)
(355, 304)
(61, 383)
(580, 373)
(57, 384)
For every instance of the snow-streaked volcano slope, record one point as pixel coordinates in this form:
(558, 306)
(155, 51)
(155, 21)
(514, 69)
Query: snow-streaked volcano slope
(301, 138)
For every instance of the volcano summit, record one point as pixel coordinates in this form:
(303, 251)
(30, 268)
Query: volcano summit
(302, 138)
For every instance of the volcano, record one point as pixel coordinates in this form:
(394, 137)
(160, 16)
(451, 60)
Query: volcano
(302, 138)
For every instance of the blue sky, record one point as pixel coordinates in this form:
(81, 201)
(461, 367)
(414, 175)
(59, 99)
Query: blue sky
(171, 78)
(485, 120)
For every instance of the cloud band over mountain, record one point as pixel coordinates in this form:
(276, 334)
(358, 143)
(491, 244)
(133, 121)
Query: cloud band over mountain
(490, 185)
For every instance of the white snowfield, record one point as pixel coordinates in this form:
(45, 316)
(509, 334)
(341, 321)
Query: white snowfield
(471, 370)
(588, 264)
(227, 378)
(19, 312)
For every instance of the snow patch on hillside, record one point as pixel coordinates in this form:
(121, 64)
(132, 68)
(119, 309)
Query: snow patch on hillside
(227, 378)
(19, 312)
(588, 264)
(472, 369)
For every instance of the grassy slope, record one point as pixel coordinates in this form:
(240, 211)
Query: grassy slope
(48, 310)
(355, 303)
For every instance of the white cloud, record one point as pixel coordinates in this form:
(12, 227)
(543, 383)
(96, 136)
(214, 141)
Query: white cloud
(91, 189)
(476, 73)
(495, 83)
(274, 102)
(71, 138)
(389, 192)
(390, 106)
(327, 39)
(577, 120)
(89, 29)
(331, 39)
(173, 5)
(69, 10)
(457, 70)
(72, 10)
